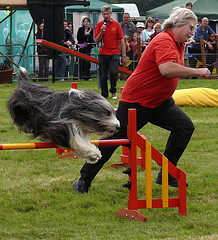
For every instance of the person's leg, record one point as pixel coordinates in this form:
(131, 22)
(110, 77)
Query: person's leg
(46, 68)
(40, 75)
(86, 65)
(62, 65)
(89, 171)
(103, 73)
(113, 70)
(172, 118)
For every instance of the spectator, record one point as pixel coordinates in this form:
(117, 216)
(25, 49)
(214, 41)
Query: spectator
(42, 55)
(69, 31)
(149, 90)
(203, 30)
(85, 43)
(70, 26)
(128, 27)
(134, 48)
(156, 20)
(60, 63)
(128, 47)
(109, 32)
(143, 35)
(133, 44)
(211, 52)
(189, 5)
(149, 26)
(157, 29)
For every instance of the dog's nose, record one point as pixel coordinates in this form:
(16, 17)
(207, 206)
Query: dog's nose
(117, 127)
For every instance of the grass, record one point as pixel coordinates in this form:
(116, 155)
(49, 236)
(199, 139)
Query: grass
(37, 200)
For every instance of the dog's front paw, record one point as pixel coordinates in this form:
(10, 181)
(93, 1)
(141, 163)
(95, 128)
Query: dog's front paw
(93, 157)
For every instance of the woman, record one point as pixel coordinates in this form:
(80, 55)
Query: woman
(149, 26)
(85, 42)
(157, 29)
(43, 55)
(142, 34)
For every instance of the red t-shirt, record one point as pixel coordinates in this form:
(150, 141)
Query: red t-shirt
(110, 36)
(146, 85)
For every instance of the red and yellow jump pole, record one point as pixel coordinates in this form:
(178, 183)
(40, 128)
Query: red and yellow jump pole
(20, 146)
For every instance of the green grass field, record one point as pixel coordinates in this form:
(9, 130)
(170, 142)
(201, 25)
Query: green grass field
(37, 200)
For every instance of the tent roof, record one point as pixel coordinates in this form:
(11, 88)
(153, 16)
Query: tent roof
(95, 6)
(130, 8)
(202, 8)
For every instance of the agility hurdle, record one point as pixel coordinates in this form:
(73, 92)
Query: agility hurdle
(148, 152)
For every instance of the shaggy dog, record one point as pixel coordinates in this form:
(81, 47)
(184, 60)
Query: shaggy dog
(65, 118)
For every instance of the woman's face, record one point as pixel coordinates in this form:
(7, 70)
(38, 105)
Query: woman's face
(86, 23)
(157, 29)
(41, 26)
(140, 29)
(150, 23)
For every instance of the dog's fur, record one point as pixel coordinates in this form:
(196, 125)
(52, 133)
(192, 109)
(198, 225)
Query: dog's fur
(65, 118)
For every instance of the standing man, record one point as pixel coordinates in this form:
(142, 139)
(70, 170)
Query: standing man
(128, 28)
(60, 63)
(149, 90)
(109, 33)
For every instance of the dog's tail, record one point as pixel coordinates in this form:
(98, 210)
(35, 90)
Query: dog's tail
(22, 74)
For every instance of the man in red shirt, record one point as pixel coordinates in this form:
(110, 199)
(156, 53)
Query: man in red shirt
(149, 90)
(109, 33)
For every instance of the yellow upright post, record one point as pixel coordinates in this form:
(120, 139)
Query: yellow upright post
(148, 176)
(164, 182)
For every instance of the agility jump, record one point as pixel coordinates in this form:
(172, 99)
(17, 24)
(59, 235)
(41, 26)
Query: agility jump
(134, 141)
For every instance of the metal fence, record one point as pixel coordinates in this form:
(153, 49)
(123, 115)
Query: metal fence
(40, 67)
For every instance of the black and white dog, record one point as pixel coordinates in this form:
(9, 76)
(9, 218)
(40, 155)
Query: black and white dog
(65, 118)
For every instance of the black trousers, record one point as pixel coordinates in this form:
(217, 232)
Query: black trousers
(108, 64)
(84, 65)
(168, 116)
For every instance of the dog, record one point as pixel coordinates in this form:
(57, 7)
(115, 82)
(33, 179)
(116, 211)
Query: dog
(65, 118)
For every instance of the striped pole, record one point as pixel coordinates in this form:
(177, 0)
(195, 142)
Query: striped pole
(19, 146)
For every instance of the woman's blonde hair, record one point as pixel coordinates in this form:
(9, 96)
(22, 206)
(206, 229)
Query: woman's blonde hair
(179, 17)
(157, 25)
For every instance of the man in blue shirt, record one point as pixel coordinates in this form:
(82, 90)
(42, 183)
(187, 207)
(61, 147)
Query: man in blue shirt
(203, 30)
(195, 50)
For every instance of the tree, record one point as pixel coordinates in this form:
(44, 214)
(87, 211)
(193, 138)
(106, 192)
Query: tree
(143, 6)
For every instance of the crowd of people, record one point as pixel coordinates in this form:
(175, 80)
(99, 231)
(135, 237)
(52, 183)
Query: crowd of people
(136, 36)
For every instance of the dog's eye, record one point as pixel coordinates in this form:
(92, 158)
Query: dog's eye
(108, 113)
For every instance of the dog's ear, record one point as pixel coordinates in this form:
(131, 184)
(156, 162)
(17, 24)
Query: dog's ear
(20, 111)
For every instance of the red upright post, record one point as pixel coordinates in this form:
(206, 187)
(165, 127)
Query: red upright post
(74, 85)
(182, 193)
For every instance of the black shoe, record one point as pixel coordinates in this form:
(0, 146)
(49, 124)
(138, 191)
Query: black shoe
(80, 186)
(172, 182)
